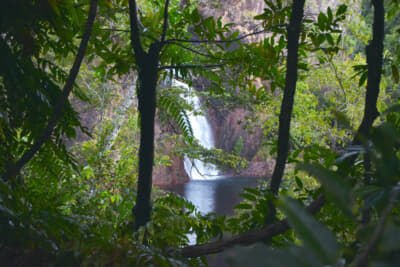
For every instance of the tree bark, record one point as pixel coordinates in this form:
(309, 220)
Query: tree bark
(147, 65)
(148, 77)
(293, 33)
(294, 29)
(59, 107)
(374, 60)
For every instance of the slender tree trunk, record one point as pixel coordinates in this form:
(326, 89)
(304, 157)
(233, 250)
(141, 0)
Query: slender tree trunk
(374, 53)
(294, 29)
(293, 33)
(59, 107)
(374, 61)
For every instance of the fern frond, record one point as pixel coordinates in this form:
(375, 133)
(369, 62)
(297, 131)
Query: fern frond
(172, 106)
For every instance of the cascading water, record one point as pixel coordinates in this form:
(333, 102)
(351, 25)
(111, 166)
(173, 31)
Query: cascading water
(197, 169)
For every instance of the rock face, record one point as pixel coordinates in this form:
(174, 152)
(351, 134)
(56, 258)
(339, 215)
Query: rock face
(172, 174)
(255, 169)
(232, 137)
(230, 133)
(228, 125)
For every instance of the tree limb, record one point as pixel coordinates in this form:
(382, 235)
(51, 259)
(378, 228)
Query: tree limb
(165, 25)
(198, 52)
(135, 32)
(226, 41)
(59, 107)
(247, 238)
(190, 66)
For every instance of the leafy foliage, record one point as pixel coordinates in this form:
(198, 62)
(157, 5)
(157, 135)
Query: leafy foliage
(74, 206)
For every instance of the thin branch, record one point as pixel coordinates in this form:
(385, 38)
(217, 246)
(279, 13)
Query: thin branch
(362, 255)
(339, 79)
(206, 66)
(128, 31)
(114, 30)
(59, 107)
(226, 41)
(198, 52)
(247, 238)
(165, 25)
(135, 32)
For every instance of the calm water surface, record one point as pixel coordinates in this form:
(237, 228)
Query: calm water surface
(219, 195)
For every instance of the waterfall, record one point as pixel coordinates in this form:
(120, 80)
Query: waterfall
(197, 169)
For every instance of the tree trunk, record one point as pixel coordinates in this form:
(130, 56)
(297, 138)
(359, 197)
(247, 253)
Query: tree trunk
(293, 33)
(374, 61)
(148, 77)
(288, 96)
(374, 53)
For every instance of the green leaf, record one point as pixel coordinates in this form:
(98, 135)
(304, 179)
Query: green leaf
(335, 186)
(329, 39)
(321, 20)
(248, 196)
(253, 191)
(313, 234)
(395, 73)
(330, 15)
(243, 206)
(341, 10)
(394, 108)
(363, 78)
(299, 182)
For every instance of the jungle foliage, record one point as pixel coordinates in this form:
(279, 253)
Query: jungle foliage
(323, 87)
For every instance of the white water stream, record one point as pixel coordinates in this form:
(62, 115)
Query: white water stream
(197, 169)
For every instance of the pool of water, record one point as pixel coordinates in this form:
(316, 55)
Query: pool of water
(219, 195)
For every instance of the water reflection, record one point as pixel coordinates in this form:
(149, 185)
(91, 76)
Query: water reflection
(219, 195)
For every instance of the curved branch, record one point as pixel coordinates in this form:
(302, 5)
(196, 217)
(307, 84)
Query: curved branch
(288, 95)
(198, 52)
(190, 66)
(59, 107)
(247, 238)
(226, 41)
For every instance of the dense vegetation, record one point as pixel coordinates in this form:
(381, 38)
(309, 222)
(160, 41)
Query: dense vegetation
(322, 85)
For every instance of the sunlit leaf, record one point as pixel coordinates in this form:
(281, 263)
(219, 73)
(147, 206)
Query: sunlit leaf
(395, 73)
